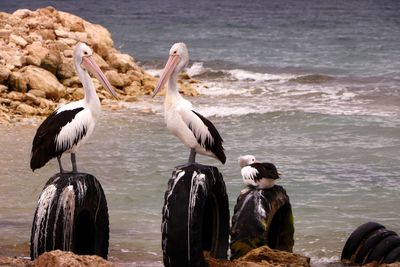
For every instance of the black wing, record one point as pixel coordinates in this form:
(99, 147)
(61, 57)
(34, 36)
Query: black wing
(265, 170)
(214, 145)
(44, 143)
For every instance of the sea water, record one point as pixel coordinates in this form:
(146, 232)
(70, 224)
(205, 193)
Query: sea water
(312, 86)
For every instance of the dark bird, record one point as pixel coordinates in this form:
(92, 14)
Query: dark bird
(193, 129)
(67, 128)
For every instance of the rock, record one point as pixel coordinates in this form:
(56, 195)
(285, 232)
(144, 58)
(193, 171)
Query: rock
(3, 89)
(68, 53)
(63, 33)
(4, 74)
(15, 262)
(184, 76)
(13, 58)
(133, 89)
(37, 51)
(30, 98)
(264, 253)
(4, 33)
(18, 40)
(127, 79)
(263, 257)
(5, 119)
(41, 79)
(71, 22)
(14, 104)
(16, 96)
(312, 78)
(22, 13)
(188, 89)
(72, 82)
(5, 101)
(18, 82)
(149, 84)
(47, 104)
(25, 109)
(44, 34)
(99, 38)
(122, 62)
(66, 69)
(57, 258)
(38, 93)
(114, 78)
(130, 98)
(138, 74)
(78, 93)
(59, 46)
(33, 60)
(51, 61)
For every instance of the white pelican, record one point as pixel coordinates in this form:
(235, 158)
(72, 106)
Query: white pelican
(67, 128)
(257, 174)
(194, 130)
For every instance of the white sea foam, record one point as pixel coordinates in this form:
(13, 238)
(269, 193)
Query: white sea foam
(224, 111)
(154, 72)
(323, 261)
(244, 75)
(218, 89)
(242, 92)
(196, 69)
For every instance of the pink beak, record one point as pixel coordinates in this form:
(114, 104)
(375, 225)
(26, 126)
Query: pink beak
(166, 74)
(89, 64)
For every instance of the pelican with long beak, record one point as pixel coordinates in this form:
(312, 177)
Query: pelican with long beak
(194, 130)
(67, 128)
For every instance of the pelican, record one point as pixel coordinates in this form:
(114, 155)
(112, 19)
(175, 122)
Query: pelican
(68, 127)
(257, 174)
(194, 130)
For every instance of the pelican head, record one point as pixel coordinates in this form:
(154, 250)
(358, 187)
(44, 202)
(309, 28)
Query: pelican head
(177, 61)
(83, 59)
(246, 160)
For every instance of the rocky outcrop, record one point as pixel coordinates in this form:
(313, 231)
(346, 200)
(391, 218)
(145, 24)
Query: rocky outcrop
(61, 258)
(260, 257)
(57, 258)
(36, 59)
(263, 257)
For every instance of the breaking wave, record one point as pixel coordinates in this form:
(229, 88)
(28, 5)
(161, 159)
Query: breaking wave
(239, 92)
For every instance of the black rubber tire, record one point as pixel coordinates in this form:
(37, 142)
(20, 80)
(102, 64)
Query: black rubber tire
(392, 256)
(262, 217)
(71, 215)
(383, 248)
(370, 244)
(357, 238)
(195, 216)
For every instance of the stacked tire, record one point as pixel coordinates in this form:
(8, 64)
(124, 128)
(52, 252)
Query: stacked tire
(195, 216)
(371, 242)
(71, 215)
(262, 217)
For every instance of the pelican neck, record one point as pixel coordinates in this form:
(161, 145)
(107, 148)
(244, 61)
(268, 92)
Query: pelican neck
(91, 97)
(173, 89)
